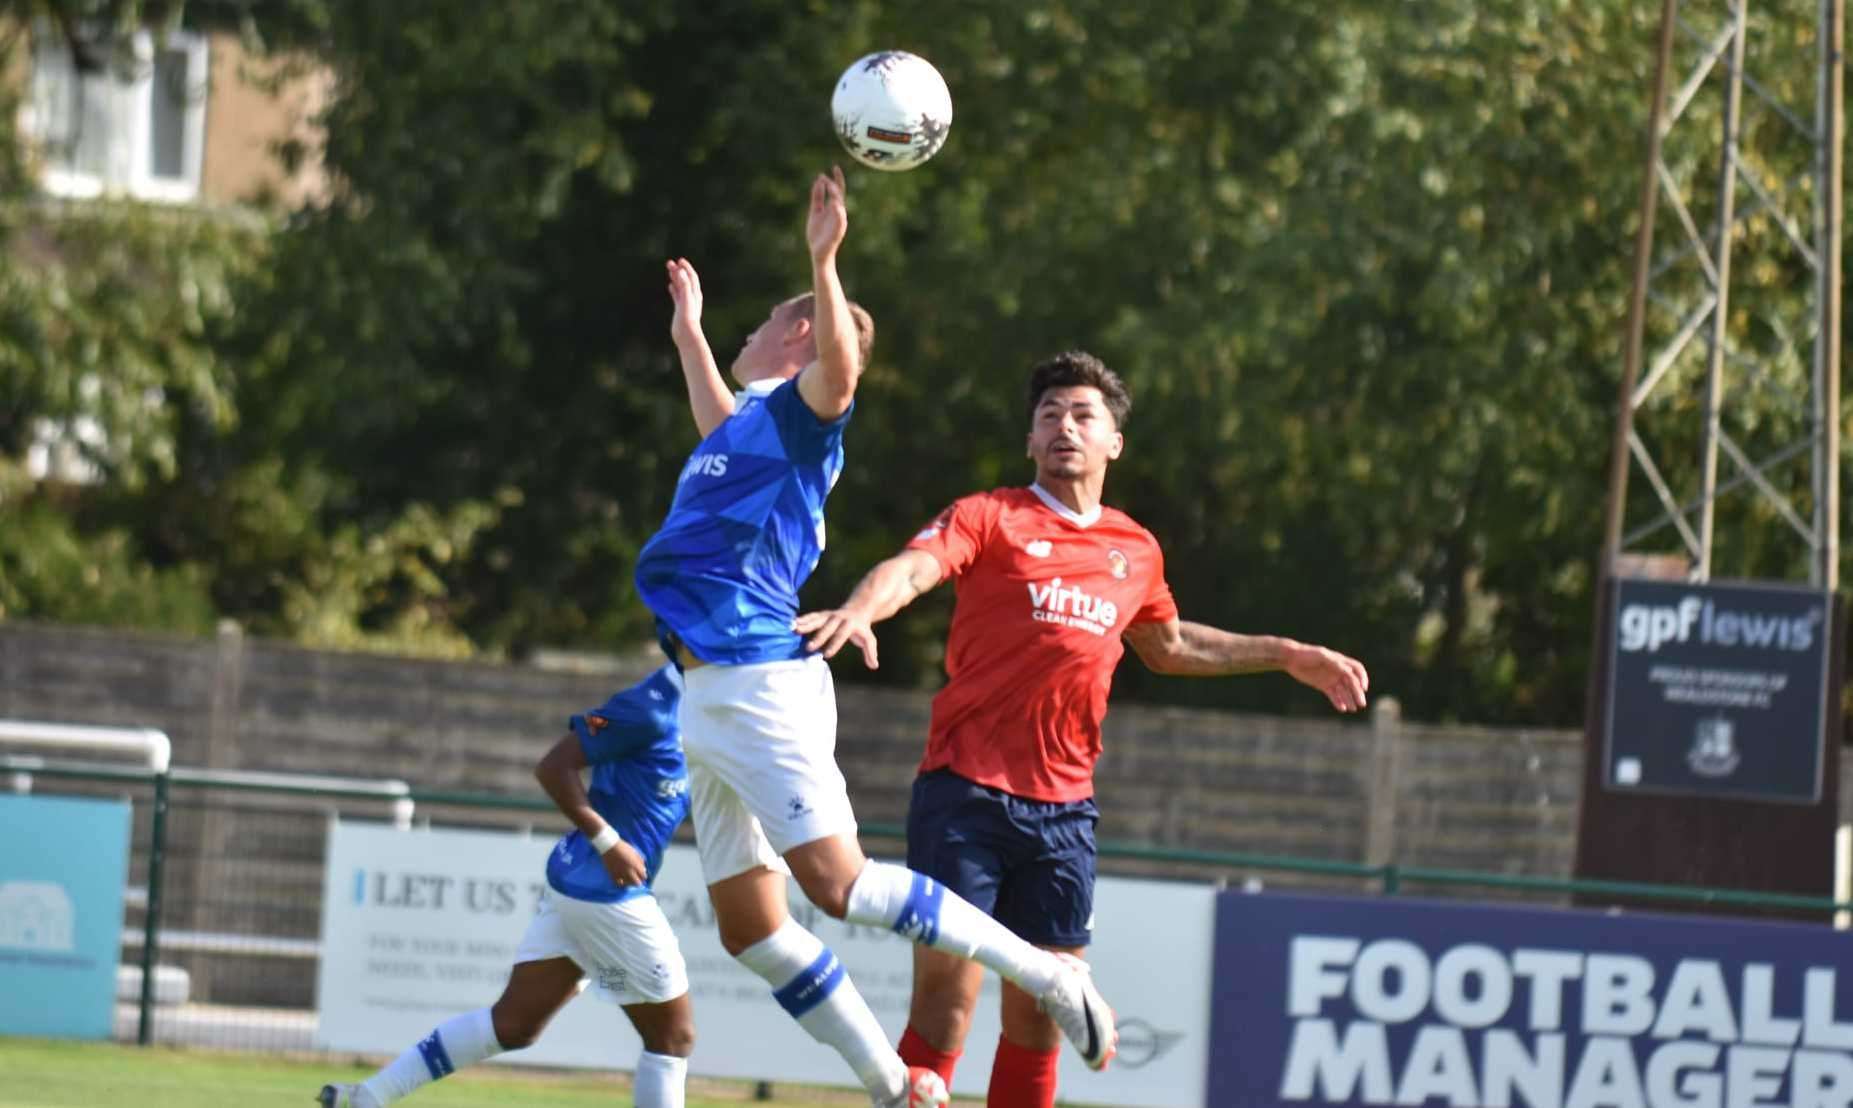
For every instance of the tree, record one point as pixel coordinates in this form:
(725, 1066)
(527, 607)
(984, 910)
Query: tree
(1364, 267)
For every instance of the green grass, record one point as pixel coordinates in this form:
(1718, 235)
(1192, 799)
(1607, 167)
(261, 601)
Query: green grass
(36, 1073)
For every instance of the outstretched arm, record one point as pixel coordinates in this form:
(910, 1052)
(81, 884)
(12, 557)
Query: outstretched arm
(708, 398)
(558, 773)
(829, 386)
(889, 587)
(1192, 649)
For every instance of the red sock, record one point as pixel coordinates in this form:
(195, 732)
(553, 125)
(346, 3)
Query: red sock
(1021, 1077)
(916, 1051)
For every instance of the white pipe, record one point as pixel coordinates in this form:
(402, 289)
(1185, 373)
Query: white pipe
(1843, 873)
(264, 779)
(146, 741)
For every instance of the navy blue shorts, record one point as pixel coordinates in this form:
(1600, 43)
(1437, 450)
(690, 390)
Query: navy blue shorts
(1029, 863)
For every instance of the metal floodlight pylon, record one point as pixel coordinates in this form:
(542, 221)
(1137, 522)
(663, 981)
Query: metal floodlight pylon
(1686, 494)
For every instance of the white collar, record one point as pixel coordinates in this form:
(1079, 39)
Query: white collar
(1079, 519)
(761, 387)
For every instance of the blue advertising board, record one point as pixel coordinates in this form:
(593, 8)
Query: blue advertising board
(1347, 1001)
(62, 866)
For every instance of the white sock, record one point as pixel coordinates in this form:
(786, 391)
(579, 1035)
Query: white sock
(458, 1042)
(930, 914)
(809, 983)
(660, 1080)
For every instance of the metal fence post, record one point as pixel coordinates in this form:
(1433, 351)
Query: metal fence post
(1384, 780)
(157, 851)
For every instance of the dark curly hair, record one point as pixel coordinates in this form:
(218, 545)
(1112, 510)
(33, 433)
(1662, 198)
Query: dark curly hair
(1073, 368)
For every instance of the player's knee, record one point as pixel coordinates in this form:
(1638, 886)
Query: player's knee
(737, 937)
(676, 1040)
(826, 870)
(515, 1030)
(832, 900)
(829, 891)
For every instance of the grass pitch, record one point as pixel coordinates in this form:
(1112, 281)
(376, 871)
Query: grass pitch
(36, 1073)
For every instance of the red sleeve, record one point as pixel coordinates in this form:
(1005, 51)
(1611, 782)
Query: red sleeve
(957, 534)
(1159, 607)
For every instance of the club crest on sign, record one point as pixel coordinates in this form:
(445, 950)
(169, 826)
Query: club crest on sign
(1714, 750)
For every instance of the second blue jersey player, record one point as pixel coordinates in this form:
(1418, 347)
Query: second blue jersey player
(598, 923)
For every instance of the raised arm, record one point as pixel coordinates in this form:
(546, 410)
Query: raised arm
(558, 774)
(708, 398)
(885, 590)
(1192, 649)
(829, 386)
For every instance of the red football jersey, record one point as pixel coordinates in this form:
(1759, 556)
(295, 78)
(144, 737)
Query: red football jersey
(1043, 597)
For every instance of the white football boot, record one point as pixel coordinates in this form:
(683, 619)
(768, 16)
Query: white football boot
(1082, 1013)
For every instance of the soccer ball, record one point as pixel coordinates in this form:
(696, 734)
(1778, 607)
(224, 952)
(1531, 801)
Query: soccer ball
(892, 110)
(925, 1089)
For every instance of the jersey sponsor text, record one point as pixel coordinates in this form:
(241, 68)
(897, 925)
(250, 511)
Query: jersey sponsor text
(711, 465)
(1072, 607)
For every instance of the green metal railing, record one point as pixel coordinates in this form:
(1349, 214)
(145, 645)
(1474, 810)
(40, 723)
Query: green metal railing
(1390, 878)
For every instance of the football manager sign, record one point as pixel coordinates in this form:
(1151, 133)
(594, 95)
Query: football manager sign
(1717, 690)
(1344, 1001)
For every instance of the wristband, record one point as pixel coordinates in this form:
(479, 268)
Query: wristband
(605, 840)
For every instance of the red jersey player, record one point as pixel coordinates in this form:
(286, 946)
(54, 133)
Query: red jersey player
(1049, 582)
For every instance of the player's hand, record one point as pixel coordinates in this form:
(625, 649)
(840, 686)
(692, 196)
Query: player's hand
(828, 632)
(829, 219)
(685, 291)
(624, 865)
(1342, 679)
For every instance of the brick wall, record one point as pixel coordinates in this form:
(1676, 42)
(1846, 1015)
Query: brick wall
(1340, 789)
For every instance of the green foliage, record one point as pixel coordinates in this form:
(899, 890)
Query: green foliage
(1364, 266)
(51, 570)
(109, 311)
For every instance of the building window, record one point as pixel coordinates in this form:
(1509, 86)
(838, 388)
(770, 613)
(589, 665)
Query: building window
(137, 126)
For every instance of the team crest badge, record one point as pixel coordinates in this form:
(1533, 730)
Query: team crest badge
(1714, 751)
(933, 529)
(1039, 548)
(1117, 563)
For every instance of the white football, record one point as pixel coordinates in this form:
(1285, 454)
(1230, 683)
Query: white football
(892, 110)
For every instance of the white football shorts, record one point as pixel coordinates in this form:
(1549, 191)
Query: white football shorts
(762, 773)
(627, 950)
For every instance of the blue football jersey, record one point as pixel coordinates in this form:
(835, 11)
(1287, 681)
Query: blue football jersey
(639, 783)
(745, 530)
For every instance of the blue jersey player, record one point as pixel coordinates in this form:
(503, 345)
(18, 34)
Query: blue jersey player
(722, 575)
(597, 921)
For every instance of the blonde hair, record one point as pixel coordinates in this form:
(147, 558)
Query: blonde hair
(804, 306)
